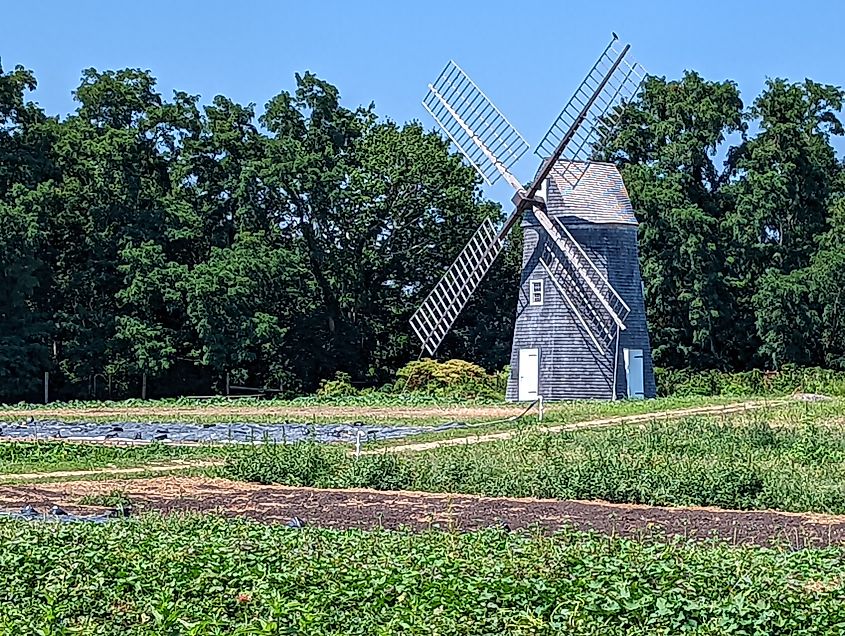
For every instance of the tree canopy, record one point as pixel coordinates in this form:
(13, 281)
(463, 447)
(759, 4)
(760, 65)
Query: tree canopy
(190, 243)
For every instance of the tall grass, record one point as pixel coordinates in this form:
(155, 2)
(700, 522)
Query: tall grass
(789, 459)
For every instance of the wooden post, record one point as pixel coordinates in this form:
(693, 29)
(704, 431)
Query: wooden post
(615, 364)
(143, 386)
(46, 387)
(227, 384)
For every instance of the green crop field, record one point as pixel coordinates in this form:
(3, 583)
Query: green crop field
(205, 575)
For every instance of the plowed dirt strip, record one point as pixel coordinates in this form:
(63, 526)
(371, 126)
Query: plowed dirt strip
(367, 509)
(588, 424)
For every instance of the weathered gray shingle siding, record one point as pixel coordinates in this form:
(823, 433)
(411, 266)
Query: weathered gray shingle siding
(571, 367)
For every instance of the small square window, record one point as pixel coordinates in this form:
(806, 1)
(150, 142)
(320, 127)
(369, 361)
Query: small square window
(536, 289)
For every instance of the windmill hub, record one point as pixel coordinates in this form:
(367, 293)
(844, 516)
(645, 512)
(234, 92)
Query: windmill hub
(580, 329)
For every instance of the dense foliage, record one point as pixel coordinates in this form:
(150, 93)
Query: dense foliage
(783, 459)
(741, 262)
(147, 237)
(789, 379)
(191, 245)
(213, 576)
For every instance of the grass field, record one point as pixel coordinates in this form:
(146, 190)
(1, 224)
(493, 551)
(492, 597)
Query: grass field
(395, 409)
(36, 457)
(202, 574)
(788, 458)
(51, 455)
(210, 576)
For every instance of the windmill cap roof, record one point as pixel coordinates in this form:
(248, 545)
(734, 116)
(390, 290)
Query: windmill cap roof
(599, 195)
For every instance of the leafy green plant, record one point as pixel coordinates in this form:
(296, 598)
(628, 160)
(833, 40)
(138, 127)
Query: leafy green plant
(114, 499)
(341, 386)
(208, 575)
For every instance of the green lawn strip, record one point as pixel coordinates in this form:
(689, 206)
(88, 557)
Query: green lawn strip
(573, 413)
(206, 575)
(790, 457)
(104, 474)
(388, 410)
(53, 456)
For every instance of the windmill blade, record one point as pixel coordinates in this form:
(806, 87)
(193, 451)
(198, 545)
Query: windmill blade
(583, 269)
(432, 321)
(594, 107)
(479, 130)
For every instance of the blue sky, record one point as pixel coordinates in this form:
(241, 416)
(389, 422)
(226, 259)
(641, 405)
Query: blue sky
(386, 52)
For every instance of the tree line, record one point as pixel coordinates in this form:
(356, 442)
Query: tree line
(145, 236)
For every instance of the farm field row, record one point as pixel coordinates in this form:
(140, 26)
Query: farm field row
(367, 509)
(27, 456)
(791, 458)
(384, 559)
(206, 575)
(392, 409)
(48, 457)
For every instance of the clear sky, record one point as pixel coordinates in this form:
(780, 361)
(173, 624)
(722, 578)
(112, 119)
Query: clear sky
(527, 55)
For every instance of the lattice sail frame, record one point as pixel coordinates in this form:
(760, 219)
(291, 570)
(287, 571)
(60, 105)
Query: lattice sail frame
(492, 146)
(591, 111)
(438, 312)
(472, 122)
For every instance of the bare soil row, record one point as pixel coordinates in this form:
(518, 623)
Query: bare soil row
(366, 509)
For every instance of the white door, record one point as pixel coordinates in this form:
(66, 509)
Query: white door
(529, 374)
(634, 373)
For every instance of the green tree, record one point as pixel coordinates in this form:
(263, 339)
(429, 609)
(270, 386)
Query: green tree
(378, 211)
(666, 143)
(783, 181)
(112, 205)
(25, 326)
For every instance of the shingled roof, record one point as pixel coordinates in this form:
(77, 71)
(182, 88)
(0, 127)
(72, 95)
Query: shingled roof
(600, 195)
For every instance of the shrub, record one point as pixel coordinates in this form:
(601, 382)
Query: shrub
(299, 464)
(341, 386)
(454, 378)
(789, 379)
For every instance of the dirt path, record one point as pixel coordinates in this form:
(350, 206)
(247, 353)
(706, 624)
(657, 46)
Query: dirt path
(459, 413)
(368, 509)
(106, 472)
(598, 423)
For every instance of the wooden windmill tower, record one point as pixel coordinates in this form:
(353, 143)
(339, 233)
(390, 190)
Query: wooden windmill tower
(580, 328)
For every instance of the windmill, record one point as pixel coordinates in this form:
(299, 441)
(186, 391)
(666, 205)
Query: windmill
(581, 317)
